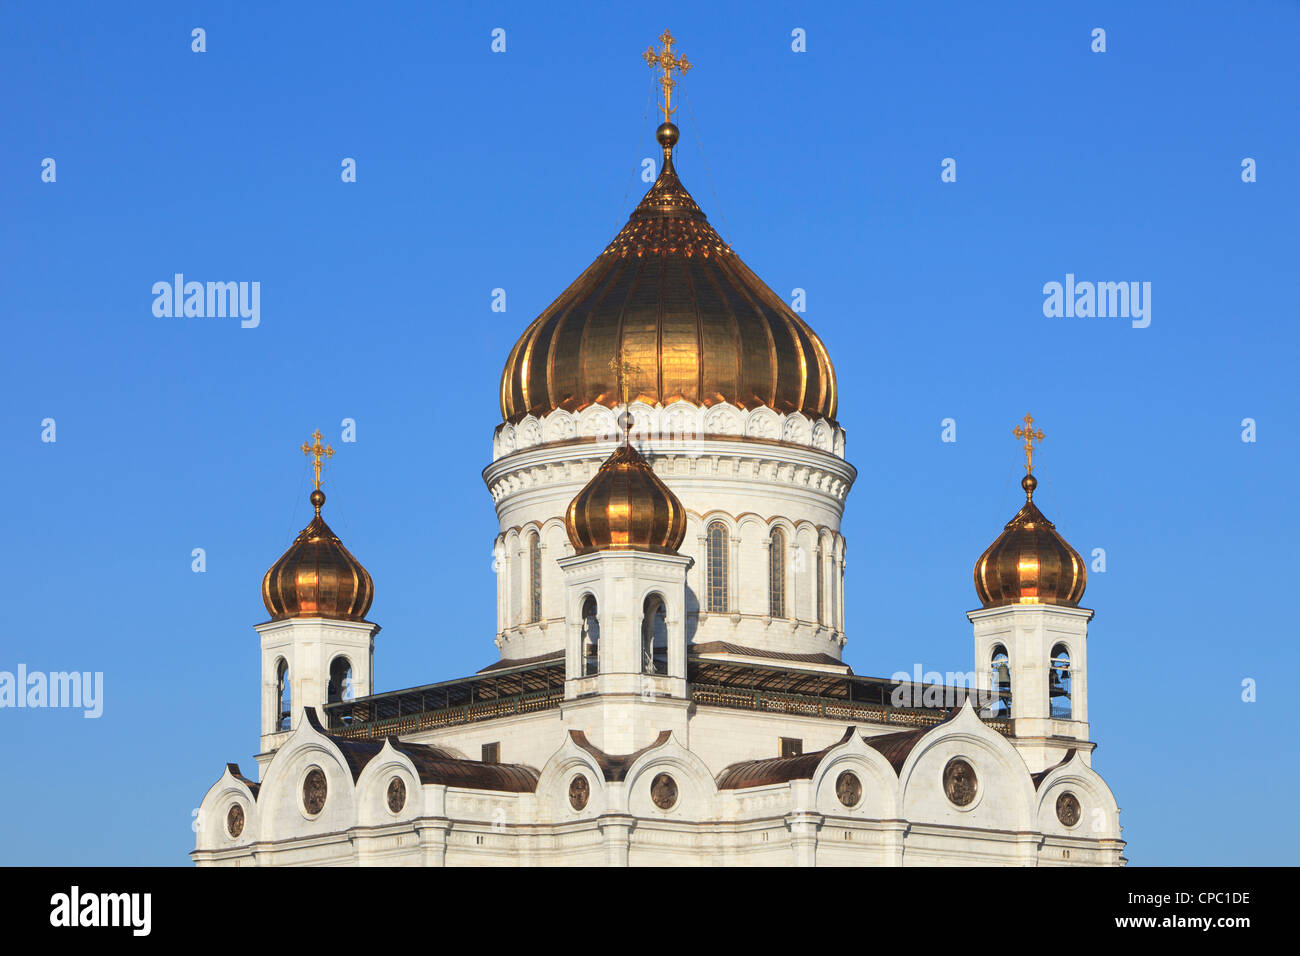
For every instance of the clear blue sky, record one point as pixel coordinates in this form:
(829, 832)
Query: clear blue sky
(479, 170)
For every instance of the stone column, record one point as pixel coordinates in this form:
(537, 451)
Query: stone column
(616, 828)
(803, 826)
(432, 834)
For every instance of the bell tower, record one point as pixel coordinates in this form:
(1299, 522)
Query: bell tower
(625, 598)
(318, 648)
(1031, 635)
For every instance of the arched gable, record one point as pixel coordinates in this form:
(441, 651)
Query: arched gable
(1098, 811)
(879, 785)
(553, 801)
(1004, 798)
(696, 790)
(281, 789)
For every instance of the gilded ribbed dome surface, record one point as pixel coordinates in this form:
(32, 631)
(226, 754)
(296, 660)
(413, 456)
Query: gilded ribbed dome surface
(318, 577)
(625, 507)
(674, 300)
(1030, 563)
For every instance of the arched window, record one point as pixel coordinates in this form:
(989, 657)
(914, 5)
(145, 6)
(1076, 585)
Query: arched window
(590, 637)
(819, 572)
(340, 680)
(283, 696)
(776, 574)
(716, 569)
(654, 636)
(1058, 683)
(1000, 664)
(535, 576)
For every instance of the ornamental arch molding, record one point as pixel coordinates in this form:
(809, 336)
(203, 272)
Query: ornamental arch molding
(373, 783)
(211, 820)
(1076, 777)
(696, 789)
(553, 803)
(879, 800)
(280, 794)
(1004, 797)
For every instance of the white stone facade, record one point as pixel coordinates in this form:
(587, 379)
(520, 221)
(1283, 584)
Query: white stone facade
(901, 816)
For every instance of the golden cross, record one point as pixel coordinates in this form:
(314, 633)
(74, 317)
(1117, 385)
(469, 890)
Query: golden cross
(668, 62)
(1030, 436)
(319, 451)
(622, 370)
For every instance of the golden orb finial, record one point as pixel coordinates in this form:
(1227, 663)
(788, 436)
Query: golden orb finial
(666, 60)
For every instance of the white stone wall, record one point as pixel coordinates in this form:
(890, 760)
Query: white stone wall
(902, 818)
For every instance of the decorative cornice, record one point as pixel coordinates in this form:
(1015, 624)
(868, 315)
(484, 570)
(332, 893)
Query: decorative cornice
(806, 469)
(679, 424)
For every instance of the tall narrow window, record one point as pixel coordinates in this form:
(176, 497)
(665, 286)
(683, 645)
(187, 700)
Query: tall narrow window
(716, 585)
(836, 582)
(1001, 705)
(776, 574)
(654, 636)
(283, 696)
(1058, 683)
(340, 687)
(590, 637)
(819, 571)
(535, 576)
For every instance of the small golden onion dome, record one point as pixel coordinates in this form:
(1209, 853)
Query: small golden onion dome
(625, 507)
(318, 577)
(674, 300)
(1030, 563)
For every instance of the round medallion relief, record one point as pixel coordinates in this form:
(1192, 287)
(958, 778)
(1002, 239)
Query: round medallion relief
(313, 791)
(579, 792)
(663, 791)
(848, 788)
(959, 782)
(235, 820)
(1067, 809)
(396, 794)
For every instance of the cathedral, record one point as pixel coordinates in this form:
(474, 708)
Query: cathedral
(669, 476)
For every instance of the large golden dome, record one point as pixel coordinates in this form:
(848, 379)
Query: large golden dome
(1030, 563)
(625, 507)
(676, 302)
(318, 577)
